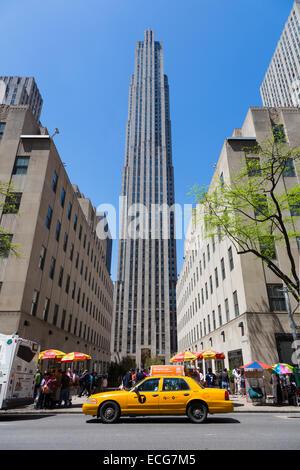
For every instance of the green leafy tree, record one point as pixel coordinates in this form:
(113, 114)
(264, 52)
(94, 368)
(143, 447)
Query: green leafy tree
(9, 200)
(256, 210)
(153, 361)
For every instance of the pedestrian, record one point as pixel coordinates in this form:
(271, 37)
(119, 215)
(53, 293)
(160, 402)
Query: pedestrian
(210, 379)
(199, 376)
(37, 383)
(57, 386)
(235, 374)
(139, 376)
(41, 397)
(104, 382)
(64, 391)
(48, 390)
(218, 378)
(134, 374)
(243, 385)
(224, 379)
(127, 379)
(84, 382)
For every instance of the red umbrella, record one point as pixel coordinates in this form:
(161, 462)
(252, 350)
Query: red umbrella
(210, 354)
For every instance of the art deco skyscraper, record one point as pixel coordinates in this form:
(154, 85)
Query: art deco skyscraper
(281, 84)
(145, 305)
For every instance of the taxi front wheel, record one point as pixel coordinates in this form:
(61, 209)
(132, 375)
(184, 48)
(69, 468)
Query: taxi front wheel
(197, 412)
(109, 412)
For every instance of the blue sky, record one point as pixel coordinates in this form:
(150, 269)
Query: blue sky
(82, 55)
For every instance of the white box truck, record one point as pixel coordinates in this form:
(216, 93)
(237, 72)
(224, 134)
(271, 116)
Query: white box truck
(18, 364)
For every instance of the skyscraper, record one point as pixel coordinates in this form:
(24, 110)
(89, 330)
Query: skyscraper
(281, 84)
(145, 299)
(21, 90)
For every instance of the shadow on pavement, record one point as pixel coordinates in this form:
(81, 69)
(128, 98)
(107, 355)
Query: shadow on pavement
(22, 417)
(167, 420)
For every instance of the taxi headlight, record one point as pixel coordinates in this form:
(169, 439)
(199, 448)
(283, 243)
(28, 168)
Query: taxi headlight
(91, 401)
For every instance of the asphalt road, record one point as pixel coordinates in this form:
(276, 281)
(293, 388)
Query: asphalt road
(257, 431)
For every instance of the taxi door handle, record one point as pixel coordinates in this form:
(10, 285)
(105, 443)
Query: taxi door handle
(155, 395)
(186, 394)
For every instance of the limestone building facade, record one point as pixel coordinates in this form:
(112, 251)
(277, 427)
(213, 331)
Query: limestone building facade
(58, 291)
(228, 302)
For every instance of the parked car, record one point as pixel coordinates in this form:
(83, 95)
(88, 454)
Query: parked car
(160, 395)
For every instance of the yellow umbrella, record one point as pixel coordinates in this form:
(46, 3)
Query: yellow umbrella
(75, 356)
(51, 354)
(184, 356)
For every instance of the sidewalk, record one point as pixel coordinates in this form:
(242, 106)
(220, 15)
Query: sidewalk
(240, 406)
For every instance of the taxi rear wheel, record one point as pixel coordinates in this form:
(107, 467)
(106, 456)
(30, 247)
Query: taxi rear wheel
(109, 412)
(197, 412)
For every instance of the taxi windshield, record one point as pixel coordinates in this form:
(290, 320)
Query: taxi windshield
(149, 385)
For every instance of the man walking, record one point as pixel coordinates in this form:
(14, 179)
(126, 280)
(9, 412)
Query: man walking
(210, 379)
(224, 379)
(37, 382)
(64, 391)
(84, 382)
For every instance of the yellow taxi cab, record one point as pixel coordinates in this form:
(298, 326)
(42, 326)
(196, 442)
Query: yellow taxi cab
(160, 395)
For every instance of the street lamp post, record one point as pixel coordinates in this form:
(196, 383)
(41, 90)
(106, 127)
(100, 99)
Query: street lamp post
(292, 324)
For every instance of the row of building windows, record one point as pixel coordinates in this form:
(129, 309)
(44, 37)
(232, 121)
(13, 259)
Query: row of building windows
(80, 330)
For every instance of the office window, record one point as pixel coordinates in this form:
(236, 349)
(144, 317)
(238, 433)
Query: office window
(227, 310)
(21, 166)
(54, 182)
(63, 319)
(220, 315)
(211, 284)
(12, 203)
(34, 303)
(75, 222)
(2, 128)
(69, 210)
(261, 208)
(65, 242)
(72, 251)
(294, 207)
(68, 284)
(236, 304)
(230, 257)
(267, 247)
(289, 168)
(73, 290)
(60, 277)
(42, 257)
(49, 217)
(223, 269)
(55, 314)
(278, 133)
(52, 267)
(216, 277)
(46, 309)
(57, 232)
(70, 324)
(253, 166)
(5, 243)
(276, 298)
(62, 197)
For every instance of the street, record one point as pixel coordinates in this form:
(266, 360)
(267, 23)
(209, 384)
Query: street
(243, 431)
